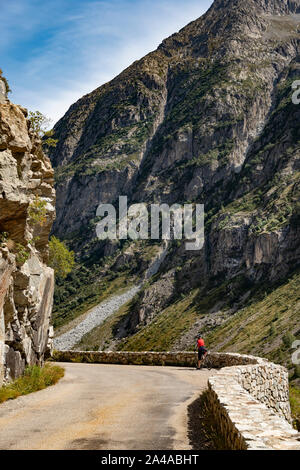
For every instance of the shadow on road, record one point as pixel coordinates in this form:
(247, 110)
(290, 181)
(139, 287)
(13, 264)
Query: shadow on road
(199, 430)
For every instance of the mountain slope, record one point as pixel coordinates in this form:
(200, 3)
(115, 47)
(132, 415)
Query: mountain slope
(206, 118)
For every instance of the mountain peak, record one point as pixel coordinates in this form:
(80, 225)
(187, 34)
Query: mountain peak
(269, 6)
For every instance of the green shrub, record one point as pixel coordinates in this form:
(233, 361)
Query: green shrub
(22, 253)
(296, 372)
(61, 259)
(37, 211)
(295, 406)
(34, 378)
(288, 340)
(3, 238)
(272, 330)
(39, 124)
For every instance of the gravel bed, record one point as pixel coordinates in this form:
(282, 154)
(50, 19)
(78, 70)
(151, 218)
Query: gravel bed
(96, 316)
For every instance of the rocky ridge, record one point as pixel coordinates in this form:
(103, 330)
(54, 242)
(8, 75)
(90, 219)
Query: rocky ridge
(27, 210)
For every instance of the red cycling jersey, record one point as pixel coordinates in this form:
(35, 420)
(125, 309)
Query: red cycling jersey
(200, 343)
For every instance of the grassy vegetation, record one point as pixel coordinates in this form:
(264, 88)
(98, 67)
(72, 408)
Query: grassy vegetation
(112, 151)
(295, 406)
(34, 378)
(266, 326)
(165, 329)
(180, 316)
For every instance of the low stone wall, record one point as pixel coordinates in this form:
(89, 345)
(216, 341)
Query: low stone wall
(183, 359)
(269, 384)
(248, 395)
(243, 421)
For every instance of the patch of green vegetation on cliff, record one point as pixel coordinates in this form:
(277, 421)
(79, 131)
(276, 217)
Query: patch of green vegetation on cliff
(271, 207)
(175, 320)
(251, 84)
(191, 87)
(248, 203)
(219, 153)
(201, 160)
(279, 205)
(262, 327)
(111, 152)
(284, 97)
(165, 329)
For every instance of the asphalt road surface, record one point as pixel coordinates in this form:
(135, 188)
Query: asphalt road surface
(99, 406)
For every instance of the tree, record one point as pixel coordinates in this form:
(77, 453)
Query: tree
(39, 124)
(61, 259)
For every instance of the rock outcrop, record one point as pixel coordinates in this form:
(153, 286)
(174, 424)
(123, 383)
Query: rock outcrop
(27, 210)
(206, 118)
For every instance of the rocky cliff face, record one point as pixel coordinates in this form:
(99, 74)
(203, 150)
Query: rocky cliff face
(27, 199)
(206, 118)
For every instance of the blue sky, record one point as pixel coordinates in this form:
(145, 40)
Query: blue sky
(52, 52)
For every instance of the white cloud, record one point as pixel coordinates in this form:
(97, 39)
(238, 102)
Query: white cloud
(88, 46)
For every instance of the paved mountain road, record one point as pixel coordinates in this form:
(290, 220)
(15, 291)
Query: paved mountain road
(101, 406)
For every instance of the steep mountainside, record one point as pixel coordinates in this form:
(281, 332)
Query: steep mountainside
(207, 118)
(27, 199)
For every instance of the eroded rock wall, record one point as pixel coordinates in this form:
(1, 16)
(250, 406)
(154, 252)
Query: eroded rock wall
(27, 210)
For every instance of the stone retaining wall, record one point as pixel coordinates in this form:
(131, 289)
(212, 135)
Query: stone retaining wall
(183, 359)
(243, 421)
(249, 396)
(269, 384)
